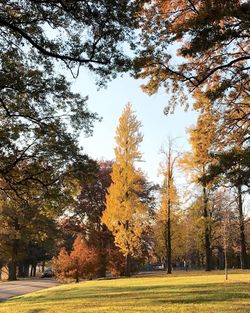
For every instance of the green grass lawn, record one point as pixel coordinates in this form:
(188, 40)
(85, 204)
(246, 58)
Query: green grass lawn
(176, 293)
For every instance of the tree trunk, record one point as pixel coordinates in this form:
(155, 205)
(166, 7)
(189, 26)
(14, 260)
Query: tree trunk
(43, 266)
(20, 270)
(128, 256)
(169, 254)
(128, 265)
(243, 251)
(221, 258)
(169, 180)
(12, 266)
(34, 273)
(23, 269)
(102, 255)
(77, 277)
(33, 270)
(12, 270)
(207, 232)
(102, 264)
(26, 269)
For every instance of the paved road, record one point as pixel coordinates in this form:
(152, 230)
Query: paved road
(21, 287)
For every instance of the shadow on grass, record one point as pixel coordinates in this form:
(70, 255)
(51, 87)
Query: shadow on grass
(155, 295)
(36, 310)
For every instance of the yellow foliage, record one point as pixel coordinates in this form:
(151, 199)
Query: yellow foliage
(203, 141)
(125, 214)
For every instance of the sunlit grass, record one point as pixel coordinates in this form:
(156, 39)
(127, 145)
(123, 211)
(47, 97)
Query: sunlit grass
(177, 293)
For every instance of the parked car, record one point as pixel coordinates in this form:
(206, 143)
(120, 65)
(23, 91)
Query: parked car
(47, 273)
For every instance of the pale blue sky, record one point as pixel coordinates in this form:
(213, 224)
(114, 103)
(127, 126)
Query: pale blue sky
(109, 103)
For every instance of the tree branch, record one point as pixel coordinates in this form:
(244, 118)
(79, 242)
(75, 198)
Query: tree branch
(46, 52)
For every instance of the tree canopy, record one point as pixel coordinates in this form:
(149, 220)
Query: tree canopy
(198, 47)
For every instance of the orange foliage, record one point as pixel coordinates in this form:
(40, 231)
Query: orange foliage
(79, 263)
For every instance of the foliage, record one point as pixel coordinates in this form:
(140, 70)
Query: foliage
(80, 263)
(75, 33)
(126, 214)
(202, 138)
(41, 117)
(116, 262)
(28, 230)
(85, 215)
(232, 166)
(200, 48)
(169, 203)
(196, 163)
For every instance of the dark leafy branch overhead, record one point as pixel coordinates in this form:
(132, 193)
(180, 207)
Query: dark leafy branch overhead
(231, 166)
(40, 116)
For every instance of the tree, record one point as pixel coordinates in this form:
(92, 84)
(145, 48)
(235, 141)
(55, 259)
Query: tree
(40, 116)
(75, 33)
(85, 215)
(27, 234)
(79, 263)
(177, 232)
(233, 167)
(168, 200)
(194, 233)
(202, 139)
(201, 48)
(28, 214)
(225, 229)
(125, 214)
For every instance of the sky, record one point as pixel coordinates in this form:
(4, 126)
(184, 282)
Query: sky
(109, 104)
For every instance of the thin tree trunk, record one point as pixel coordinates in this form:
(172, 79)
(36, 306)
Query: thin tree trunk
(26, 269)
(169, 179)
(207, 232)
(169, 252)
(102, 264)
(102, 257)
(243, 251)
(128, 265)
(34, 271)
(128, 256)
(21, 270)
(221, 258)
(226, 267)
(43, 266)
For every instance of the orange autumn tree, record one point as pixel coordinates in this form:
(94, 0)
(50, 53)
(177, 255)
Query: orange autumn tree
(126, 214)
(79, 263)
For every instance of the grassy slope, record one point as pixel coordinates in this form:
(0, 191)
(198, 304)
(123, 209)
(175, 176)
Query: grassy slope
(176, 293)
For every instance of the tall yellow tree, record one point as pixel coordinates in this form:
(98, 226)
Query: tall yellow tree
(125, 214)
